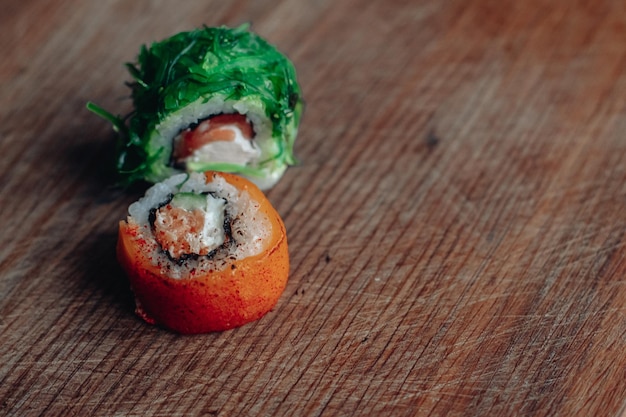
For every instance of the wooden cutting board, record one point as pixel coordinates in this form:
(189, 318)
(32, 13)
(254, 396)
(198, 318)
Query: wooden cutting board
(456, 222)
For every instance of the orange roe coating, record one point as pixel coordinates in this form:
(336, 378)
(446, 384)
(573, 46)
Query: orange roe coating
(212, 300)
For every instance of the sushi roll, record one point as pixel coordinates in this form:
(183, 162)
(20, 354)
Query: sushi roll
(203, 252)
(220, 99)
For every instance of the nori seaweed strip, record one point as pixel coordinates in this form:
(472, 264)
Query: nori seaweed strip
(228, 243)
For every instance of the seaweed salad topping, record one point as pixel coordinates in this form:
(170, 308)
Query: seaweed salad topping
(192, 75)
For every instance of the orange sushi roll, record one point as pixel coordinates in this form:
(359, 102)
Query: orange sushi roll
(203, 253)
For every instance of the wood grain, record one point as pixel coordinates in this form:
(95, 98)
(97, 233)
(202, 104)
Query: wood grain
(456, 224)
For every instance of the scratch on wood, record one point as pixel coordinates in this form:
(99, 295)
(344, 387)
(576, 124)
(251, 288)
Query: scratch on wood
(432, 140)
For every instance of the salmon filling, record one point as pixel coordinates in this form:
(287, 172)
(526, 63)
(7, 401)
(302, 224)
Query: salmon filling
(224, 138)
(190, 225)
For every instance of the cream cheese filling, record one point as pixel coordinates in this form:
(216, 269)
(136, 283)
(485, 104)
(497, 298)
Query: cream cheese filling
(239, 151)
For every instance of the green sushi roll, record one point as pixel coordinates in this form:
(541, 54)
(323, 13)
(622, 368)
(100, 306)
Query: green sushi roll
(220, 99)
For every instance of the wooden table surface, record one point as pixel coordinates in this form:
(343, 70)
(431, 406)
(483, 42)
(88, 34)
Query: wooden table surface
(456, 223)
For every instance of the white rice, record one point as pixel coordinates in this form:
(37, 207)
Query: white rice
(250, 228)
(163, 137)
